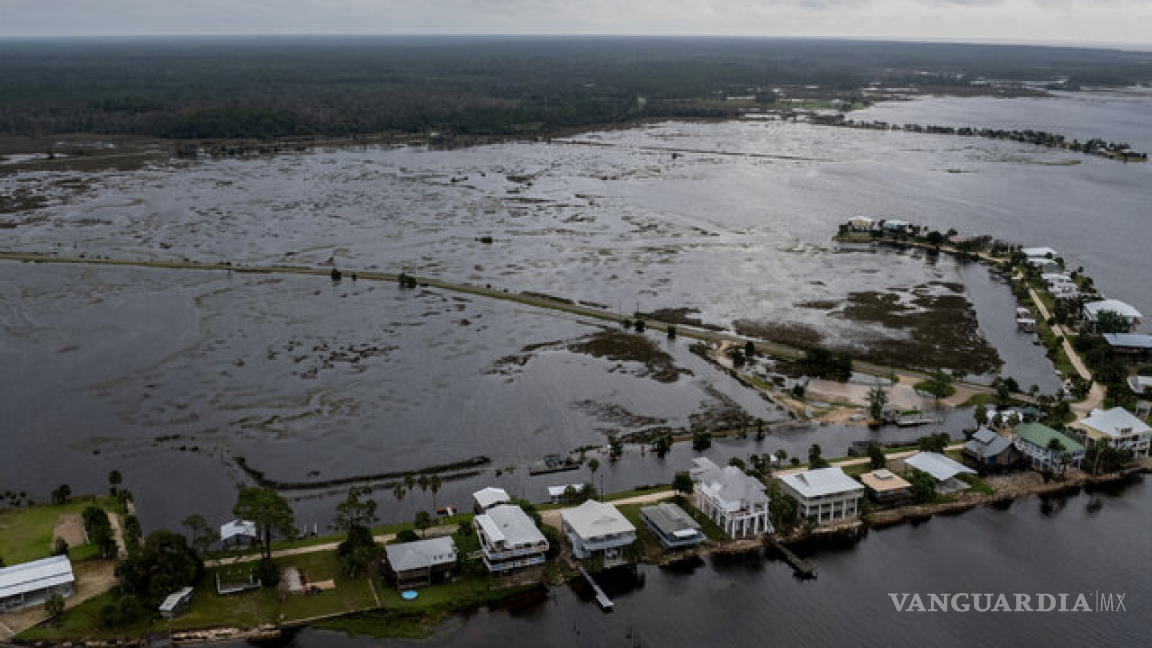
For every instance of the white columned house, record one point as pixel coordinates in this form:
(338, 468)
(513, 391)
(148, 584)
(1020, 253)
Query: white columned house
(736, 502)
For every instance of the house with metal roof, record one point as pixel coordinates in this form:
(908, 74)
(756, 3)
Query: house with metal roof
(421, 562)
(1040, 253)
(31, 583)
(509, 539)
(1129, 343)
(490, 496)
(730, 498)
(238, 533)
(1117, 428)
(824, 494)
(886, 487)
(175, 603)
(599, 530)
(990, 451)
(1034, 439)
(1128, 313)
(944, 470)
(674, 527)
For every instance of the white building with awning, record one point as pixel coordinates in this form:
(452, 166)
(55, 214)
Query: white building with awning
(31, 583)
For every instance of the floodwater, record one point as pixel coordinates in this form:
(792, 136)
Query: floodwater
(1082, 544)
(173, 376)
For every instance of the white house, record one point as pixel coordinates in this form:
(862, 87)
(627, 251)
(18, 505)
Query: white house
(731, 499)
(1117, 428)
(1040, 253)
(486, 498)
(1127, 312)
(599, 530)
(421, 562)
(824, 494)
(238, 533)
(943, 469)
(509, 539)
(31, 583)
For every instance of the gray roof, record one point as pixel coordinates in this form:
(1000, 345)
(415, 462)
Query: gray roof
(491, 496)
(1129, 340)
(1116, 423)
(511, 525)
(672, 520)
(730, 484)
(421, 554)
(594, 519)
(940, 467)
(1034, 252)
(1115, 305)
(986, 443)
(175, 599)
(822, 481)
(35, 576)
(1140, 384)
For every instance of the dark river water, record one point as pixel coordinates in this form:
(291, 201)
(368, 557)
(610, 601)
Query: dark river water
(1081, 544)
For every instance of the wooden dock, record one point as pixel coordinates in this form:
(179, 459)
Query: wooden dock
(804, 568)
(606, 603)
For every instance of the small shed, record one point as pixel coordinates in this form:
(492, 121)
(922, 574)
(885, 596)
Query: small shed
(175, 603)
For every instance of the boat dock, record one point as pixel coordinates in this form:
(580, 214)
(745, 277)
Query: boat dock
(804, 568)
(606, 603)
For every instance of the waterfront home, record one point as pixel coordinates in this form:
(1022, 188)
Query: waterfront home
(944, 470)
(672, 525)
(1142, 387)
(824, 494)
(557, 494)
(1127, 313)
(990, 451)
(1132, 344)
(238, 533)
(597, 530)
(175, 603)
(30, 584)
(1117, 428)
(509, 539)
(886, 487)
(1060, 285)
(1044, 265)
(897, 227)
(861, 224)
(1033, 440)
(486, 498)
(730, 498)
(422, 562)
(1040, 253)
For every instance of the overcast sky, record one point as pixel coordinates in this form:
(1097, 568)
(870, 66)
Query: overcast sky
(1072, 21)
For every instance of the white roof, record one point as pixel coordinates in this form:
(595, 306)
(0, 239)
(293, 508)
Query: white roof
(1034, 252)
(558, 491)
(1116, 423)
(511, 525)
(1140, 384)
(940, 467)
(491, 496)
(421, 554)
(1115, 305)
(174, 599)
(730, 485)
(35, 576)
(237, 528)
(1129, 340)
(821, 482)
(594, 519)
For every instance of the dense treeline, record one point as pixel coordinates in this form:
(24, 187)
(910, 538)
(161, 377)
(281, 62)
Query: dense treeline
(276, 87)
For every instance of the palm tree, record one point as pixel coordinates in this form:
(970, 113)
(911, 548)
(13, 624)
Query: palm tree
(434, 484)
(593, 466)
(398, 491)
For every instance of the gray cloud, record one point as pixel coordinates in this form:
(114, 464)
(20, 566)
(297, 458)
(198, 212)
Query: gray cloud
(1020, 20)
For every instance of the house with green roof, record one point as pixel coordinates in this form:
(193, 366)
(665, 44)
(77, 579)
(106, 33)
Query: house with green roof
(1034, 440)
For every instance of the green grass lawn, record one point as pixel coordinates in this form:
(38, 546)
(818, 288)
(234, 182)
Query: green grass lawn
(83, 622)
(978, 485)
(26, 533)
